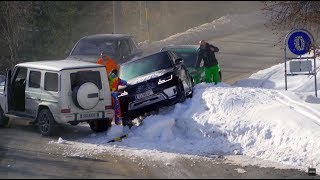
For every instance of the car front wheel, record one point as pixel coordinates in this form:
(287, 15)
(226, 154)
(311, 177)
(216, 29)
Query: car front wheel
(46, 122)
(99, 125)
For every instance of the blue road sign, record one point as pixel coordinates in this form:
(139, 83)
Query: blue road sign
(299, 42)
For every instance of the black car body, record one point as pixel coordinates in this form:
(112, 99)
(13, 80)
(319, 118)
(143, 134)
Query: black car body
(189, 54)
(120, 47)
(154, 81)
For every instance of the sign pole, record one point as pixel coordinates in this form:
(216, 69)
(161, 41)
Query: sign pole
(315, 72)
(285, 66)
(299, 42)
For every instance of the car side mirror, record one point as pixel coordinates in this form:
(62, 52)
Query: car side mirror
(121, 87)
(179, 61)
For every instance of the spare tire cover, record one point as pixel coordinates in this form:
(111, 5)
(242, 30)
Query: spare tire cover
(87, 95)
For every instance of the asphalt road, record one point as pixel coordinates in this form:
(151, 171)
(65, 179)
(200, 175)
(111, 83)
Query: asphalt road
(245, 53)
(24, 153)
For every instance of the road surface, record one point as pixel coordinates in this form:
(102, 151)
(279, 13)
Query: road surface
(24, 153)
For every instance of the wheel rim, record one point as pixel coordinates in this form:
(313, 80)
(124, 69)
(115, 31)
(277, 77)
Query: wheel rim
(44, 123)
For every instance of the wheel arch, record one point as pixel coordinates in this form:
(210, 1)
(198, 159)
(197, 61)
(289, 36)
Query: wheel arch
(48, 106)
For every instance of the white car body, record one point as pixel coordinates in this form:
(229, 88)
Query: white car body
(52, 85)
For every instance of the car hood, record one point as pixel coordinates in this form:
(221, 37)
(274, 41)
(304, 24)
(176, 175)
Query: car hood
(91, 58)
(148, 76)
(83, 58)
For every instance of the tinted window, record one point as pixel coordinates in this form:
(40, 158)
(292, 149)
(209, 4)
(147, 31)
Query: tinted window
(85, 76)
(21, 74)
(124, 48)
(51, 82)
(95, 47)
(132, 44)
(34, 79)
(145, 65)
(189, 56)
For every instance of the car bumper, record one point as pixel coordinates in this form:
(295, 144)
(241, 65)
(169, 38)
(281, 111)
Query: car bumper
(86, 116)
(166, 97)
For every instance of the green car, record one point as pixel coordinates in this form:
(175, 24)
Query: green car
(189, 54)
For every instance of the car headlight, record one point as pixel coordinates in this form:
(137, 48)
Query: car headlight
(124, 93)
(166, 79)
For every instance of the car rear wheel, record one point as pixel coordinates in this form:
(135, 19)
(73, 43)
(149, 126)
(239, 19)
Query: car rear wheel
(3, 119)
(100, 125)
(46, 122)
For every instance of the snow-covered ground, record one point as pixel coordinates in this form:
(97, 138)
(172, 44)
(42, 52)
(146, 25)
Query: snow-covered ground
(254, 117)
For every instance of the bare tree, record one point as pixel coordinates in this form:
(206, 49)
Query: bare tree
(289, 15)
(13, 22)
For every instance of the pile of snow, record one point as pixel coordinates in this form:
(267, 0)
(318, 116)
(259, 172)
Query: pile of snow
(219, 27)
(255, 117)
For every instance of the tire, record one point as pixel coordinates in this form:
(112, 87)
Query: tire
(100, 125)
(46, 123)
(3, 119)
(82, 95)
(127, 122)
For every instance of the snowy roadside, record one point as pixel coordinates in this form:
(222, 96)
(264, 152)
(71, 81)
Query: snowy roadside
(217, 28)
(253, 122)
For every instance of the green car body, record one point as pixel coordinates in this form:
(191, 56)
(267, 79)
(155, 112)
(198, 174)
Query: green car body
(189, 54)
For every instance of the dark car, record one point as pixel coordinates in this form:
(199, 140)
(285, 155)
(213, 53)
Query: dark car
(120, 47)
(189, 54)
(153, 81)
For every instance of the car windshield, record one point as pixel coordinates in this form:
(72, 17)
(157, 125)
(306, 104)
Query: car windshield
(188, 55)
(145, 65)
(89, 47)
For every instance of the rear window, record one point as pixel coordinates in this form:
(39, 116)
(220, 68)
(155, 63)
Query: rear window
(81, 77)
(51, 82)
(145, 65)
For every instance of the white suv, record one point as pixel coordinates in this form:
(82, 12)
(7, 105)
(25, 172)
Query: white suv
(52, 92)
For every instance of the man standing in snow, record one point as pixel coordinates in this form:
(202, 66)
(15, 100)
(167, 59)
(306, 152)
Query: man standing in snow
(211, 66)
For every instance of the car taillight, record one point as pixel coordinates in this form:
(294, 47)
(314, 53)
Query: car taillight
(107, 107)
(65, 111)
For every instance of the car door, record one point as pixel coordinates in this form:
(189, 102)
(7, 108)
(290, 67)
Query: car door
(8, 91)
(33, 92)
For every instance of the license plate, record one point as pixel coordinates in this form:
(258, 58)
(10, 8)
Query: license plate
(92, 115)
(145, 94)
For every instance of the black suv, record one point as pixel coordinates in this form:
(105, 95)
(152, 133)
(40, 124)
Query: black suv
(120, 47)
(154, 81)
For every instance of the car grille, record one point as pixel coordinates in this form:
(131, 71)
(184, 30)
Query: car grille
(145, 87)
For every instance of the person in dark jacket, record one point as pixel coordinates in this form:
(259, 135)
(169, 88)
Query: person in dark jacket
(206, 53)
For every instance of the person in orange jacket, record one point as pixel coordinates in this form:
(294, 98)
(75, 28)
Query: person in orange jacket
(109, 63)
(114, 82)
